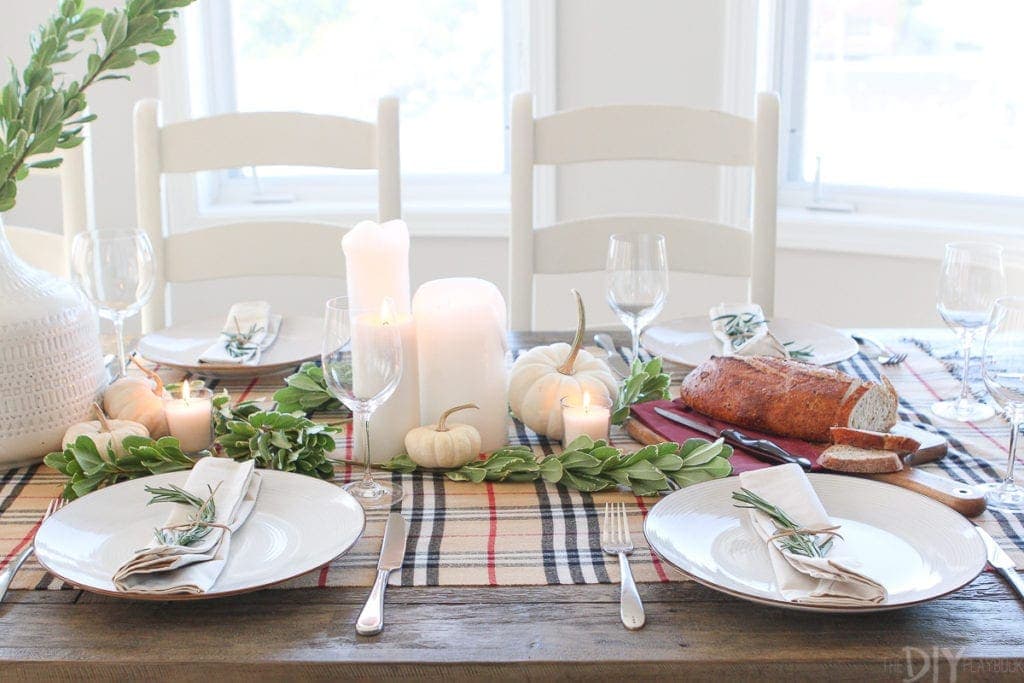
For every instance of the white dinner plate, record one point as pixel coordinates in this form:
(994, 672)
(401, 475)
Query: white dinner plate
(917, 548)
(689, 340)
(299, 523)
(179, 346)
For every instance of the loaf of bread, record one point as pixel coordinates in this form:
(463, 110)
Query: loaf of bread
(862, 438)
(787, 397)
(859, 460)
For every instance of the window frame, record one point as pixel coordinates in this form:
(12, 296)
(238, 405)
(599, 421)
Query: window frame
(434, 204)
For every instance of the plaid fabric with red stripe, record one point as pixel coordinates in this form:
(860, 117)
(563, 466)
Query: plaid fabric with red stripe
(535, 534)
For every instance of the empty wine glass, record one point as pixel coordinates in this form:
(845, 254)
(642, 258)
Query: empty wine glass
(970, 280)
(636, 280)
(116, 271)
(362, 363)
(1003, 372)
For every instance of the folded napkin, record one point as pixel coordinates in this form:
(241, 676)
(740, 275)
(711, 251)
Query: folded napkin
(242, 317)
(831, 581)
(761, 342)
(166, 569)
(741, 461)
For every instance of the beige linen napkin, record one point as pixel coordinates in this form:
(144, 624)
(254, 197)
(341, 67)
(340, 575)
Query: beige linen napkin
(831, 581)
(763, 343)
(164, 569)
(242, 317)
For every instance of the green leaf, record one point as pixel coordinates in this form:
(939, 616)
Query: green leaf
(150, 57)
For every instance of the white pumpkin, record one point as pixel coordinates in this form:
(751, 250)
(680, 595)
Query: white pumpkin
(443, 444)
(138, 400)
(542, 376)
(104, 433)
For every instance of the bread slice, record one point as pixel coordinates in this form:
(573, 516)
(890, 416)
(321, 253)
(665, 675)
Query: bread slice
(859, 460)
(864, 438)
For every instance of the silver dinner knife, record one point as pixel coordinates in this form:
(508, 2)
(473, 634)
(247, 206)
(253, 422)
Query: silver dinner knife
(998, 558)
(767, 450)
(392, 551)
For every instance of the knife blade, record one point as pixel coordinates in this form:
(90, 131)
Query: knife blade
(1002, 563)
(615, 361)
(766, 450)
(392, 552)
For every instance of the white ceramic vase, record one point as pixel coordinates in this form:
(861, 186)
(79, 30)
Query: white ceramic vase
(51, 364)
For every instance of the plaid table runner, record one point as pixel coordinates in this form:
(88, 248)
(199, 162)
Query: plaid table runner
(536, 534)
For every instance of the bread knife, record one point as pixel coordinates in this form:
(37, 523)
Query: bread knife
(766, 450)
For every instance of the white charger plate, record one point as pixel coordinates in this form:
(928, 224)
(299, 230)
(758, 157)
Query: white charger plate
(689, 340)
(179, 346)
(917, 548)
(299, 523)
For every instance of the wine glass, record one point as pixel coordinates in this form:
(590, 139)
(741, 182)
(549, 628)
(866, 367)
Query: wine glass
(115, 269)
(970, 280)
(362, 363)
(1003, 371)
(636, 278)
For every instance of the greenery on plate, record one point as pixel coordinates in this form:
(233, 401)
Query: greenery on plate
(306, 392)
(588, 465)
(40, 111)
(796, 540)
(239, 343)
(646, 382)
(88, 469)
(741, 328)
(277, 440)
(199, 522)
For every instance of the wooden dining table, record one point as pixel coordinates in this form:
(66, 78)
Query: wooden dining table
(535, 632)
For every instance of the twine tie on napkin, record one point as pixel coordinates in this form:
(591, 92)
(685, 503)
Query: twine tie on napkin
(250, 329)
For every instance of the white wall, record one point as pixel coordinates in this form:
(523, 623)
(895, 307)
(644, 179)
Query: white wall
(609, 51)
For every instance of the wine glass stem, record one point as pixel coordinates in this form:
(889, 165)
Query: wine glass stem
(363, 420)
(122, 357)
(635, 331)
(1016, 422)
(965, 399)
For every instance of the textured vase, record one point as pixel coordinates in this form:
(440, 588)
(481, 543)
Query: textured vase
(51, 365)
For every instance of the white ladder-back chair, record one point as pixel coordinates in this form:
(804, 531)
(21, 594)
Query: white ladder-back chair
(642, 132)
(48, 250)
(254, 139)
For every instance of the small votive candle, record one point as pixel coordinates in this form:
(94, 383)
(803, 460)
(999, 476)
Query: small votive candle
(588, 416)
(190, 418)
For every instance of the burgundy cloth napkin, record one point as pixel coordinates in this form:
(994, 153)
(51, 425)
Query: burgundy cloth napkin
(741, 460)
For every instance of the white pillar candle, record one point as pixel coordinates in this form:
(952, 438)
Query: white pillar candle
(377, 268)
(462, 335)
(377, 265)
(190, 418)
(589, 417)
(400, 412)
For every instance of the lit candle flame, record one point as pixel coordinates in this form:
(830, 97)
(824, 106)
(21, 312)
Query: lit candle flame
(586, 402)
(387, 313)
(186, 392)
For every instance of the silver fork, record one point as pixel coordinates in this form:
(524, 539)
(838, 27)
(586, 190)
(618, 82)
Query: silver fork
(615, 540)
(7, 575)
(887, 357)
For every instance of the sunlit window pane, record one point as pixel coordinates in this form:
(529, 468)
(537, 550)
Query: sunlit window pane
(916, 94)
(443, 58)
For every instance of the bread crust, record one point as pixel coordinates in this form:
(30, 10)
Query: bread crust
(775, 395)
(862, 438)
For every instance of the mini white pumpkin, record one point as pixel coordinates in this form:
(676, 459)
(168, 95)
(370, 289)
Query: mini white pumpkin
(104, 433)
(138, 400)
(542, 376)
(443, 444)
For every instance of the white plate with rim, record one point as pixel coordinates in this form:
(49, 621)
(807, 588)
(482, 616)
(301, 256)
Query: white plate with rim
(299, 524)
(179, 346)
(917, 548)
(689, 340)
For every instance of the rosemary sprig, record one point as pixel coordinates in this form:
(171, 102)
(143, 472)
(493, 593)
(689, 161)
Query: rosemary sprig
(802, 353)
(199, 522)
(798, 543)
(239, 343)
(646, 382)
(587, 465)
(741, 328)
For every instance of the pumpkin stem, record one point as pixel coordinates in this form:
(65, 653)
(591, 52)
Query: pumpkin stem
(441, 426)
(159, 389)
(577, 341)
(104, 424)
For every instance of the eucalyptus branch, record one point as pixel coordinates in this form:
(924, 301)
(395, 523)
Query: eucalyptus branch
(646, 382)
(38, 113)
(306, 392)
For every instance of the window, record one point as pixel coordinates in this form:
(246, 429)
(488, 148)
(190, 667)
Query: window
(452, 63)
(920, 97)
